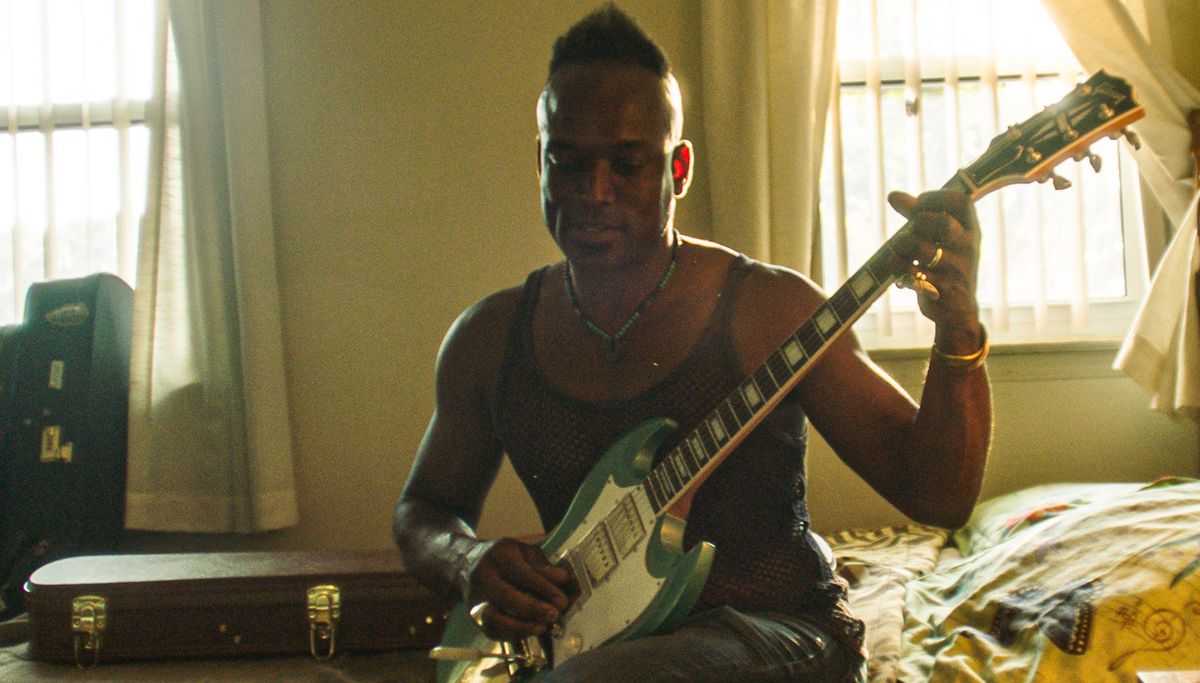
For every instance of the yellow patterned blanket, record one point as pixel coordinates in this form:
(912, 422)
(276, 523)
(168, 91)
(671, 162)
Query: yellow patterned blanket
(1063, 583)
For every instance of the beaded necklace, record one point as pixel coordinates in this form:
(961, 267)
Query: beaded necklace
(613, 341)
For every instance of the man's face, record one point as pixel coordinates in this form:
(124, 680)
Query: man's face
(605, 143)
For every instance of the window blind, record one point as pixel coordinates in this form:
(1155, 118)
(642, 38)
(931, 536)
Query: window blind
(923, 86)
(75, 78)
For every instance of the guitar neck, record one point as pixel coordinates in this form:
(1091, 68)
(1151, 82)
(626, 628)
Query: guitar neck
(719, 433)
(716, 436)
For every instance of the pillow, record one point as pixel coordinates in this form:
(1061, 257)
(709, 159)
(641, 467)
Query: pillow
(997, 518)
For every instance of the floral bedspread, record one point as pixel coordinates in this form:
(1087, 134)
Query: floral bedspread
(1070, 583)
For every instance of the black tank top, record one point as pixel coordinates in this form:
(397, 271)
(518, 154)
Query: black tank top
(752, 508)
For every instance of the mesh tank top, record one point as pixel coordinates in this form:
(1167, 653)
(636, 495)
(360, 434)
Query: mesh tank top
(752, 508)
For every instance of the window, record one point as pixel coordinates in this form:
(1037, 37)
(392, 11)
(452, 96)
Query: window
(76, 79)
(924, 85)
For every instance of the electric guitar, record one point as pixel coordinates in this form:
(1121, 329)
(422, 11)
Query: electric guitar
(622, 534)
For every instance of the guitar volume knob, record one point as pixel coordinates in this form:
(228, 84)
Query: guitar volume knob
(572, 644)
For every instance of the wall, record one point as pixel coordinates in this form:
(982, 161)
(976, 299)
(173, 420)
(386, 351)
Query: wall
(403, 180)
(403, 163)
(1173, 26)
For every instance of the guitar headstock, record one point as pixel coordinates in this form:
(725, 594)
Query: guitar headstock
(1100, 107)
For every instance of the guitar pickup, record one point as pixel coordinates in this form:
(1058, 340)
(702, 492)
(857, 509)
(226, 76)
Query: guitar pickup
(599, 560)
(625, 526)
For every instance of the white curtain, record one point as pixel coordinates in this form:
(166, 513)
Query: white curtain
(210, 444)
(768, 76)
(1162, 350)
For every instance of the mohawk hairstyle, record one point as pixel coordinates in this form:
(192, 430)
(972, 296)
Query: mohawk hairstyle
(608, 35)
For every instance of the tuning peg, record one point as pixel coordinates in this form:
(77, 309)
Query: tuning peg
(1133, 138)
(1060, 183)
(1090, 156)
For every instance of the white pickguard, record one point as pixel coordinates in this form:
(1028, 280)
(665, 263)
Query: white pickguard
(621, 597)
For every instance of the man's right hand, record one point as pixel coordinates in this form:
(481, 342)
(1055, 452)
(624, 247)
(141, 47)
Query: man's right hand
(525, 594)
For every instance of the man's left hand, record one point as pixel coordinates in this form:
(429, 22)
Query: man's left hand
(943, 246)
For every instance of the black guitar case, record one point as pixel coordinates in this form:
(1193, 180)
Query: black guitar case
(64, 427)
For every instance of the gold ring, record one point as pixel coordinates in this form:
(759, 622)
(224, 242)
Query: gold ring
(930, 290)
(477, 613)
(937, 258)
(922, 285)
(919, 282)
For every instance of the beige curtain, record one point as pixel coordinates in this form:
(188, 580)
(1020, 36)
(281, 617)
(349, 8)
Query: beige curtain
(210, 444)
(768, 70)
(1162, 349)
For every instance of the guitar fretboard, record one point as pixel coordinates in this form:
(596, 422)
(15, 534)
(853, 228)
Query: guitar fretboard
(706, 445)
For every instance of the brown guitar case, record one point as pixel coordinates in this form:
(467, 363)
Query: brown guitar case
(99, 608)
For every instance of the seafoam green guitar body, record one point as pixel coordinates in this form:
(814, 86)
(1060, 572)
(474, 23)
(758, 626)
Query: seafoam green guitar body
(634, 576)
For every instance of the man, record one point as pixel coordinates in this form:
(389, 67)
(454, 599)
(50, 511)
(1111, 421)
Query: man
(639, 321)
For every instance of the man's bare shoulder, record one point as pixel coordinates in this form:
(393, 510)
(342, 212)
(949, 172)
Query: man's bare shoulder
(481, 329)
(767, 289)
(774, 289)
(774, 301)
(761, 275)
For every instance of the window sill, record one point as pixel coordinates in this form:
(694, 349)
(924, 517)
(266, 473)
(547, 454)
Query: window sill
(1032, 362)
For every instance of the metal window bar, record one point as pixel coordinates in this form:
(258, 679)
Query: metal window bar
(126, 223)
(1041, 309)
(50, 231)
(1080, 304)
(14, 197)
(877, 202)
(998, 241)
(838, 170)
(952, 94)
(916, 127)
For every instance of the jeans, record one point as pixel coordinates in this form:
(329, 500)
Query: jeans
(718, 645)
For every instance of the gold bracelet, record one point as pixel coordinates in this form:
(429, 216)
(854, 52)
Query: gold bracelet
(971, 360)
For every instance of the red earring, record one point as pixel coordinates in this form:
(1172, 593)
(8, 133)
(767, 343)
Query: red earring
(680, 164)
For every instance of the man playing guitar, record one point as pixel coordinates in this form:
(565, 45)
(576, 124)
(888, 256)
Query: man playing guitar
(640, 321)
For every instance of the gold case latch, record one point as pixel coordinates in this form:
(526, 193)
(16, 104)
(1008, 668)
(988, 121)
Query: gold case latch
(88, 621)
(324, 610)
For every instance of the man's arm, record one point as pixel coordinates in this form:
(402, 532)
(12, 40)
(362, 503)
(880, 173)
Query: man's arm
(946, 446)
(927, 460)
(455, 466)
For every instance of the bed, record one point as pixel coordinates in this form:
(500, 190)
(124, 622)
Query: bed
(1060, 582)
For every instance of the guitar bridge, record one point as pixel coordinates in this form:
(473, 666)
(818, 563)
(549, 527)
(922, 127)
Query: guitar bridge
(517, 658)
(524, 656)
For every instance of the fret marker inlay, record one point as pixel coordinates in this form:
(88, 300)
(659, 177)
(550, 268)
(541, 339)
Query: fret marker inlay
(862, 285)
(750, 393)
(793, 352)
(826, 320)
(718, 430)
